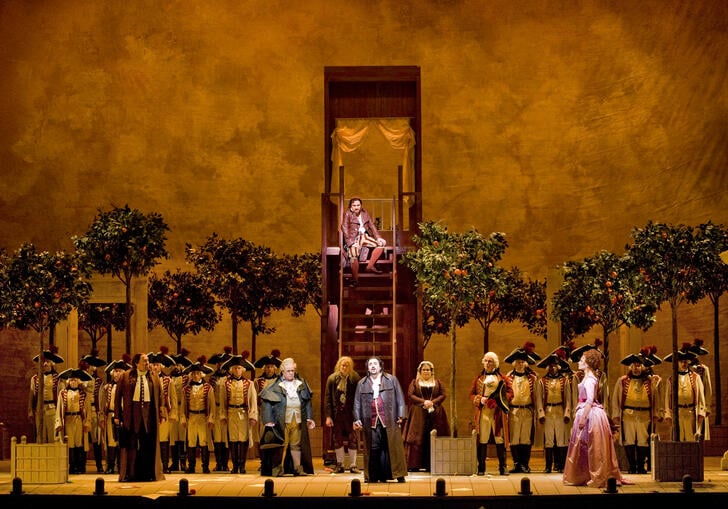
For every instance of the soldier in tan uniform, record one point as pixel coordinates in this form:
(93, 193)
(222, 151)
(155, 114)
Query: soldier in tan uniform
(107, 410)
(73, 417)
(168, 398)
(555, 414)
(525, 405)
(218, 432)
(633, 405)
(239, 409)
(198, 414)
(690, 397)
(47, 418)
(178, 433)
(703, 372)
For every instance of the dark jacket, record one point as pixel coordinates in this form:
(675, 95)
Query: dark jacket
(394, 408)
(350, 226)
(273, 409)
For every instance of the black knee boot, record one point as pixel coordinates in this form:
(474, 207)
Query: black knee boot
(191, 459)
(631, 452)
(481, 452)
(500, 450)
(174, 466)
(205, 459)
(234, 455)
(110, 460)
(549, 457)
(242, 456)
(525, 456)
(642, 455)
(182, 455)
(516, 455)
(164, 454)
(98, 458)
(72, 460)
(561, 458)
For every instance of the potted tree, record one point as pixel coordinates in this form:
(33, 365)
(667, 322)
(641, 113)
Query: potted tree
(38, 289)
(181, 303)
(667, 259)
(124, 243)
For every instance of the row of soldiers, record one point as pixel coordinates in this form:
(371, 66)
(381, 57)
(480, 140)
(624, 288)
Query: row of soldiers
(515, 407)
(205, 407)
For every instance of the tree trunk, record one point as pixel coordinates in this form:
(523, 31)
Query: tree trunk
(452, 395)
(39, 396)
(675, 423)
(486, 339)
(128, 316)
(716, 357)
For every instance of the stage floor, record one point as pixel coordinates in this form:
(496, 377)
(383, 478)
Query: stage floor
(326, 484)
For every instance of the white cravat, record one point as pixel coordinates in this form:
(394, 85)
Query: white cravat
(141, 390)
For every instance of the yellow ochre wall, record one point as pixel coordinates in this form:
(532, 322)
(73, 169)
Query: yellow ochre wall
(563, 124)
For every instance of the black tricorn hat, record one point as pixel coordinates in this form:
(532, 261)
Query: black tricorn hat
(239, 360)
(499, 397)
(636, 358)
(75, 373)
(93, 359)
(553, 358)
(221, 357)
(650, 352)
(50, 355)
(181, 358)
(525, 353)
(198, 366)
(162, 357)
(272, 358)
(697, 347)
(117, 364)
(683, 354)
(271, 438)
(576, 354)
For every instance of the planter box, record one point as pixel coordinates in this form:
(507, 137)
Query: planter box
(672, 460)
(39, 463)
(453, 456)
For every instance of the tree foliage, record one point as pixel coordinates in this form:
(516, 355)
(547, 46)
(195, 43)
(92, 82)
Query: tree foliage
(125, 243)
(39, 289)
(668, 259)
(249, 281)
(714, 275)
(97, 320)
(602, 290)
(304, 273)
(181, 303)
(451, 270)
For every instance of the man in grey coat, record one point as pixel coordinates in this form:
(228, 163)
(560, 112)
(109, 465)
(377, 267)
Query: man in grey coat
(380, 410)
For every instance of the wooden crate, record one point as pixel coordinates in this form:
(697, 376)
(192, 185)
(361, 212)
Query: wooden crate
(453, 456)
(673, 460)
(39, 463)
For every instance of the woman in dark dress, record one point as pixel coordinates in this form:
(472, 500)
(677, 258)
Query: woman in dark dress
(425, 413)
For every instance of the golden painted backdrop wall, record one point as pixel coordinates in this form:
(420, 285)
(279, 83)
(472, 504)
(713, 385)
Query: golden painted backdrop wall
(563, 124)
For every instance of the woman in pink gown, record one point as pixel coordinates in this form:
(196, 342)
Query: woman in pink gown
(591, 458)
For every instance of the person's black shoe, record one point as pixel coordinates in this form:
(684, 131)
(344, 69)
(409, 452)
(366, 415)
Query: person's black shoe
(400, 479)
(525, 469)
(481, 472)
(517, 469)
(502, 470)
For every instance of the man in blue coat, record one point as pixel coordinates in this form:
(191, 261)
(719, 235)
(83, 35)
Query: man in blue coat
(286, 405)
